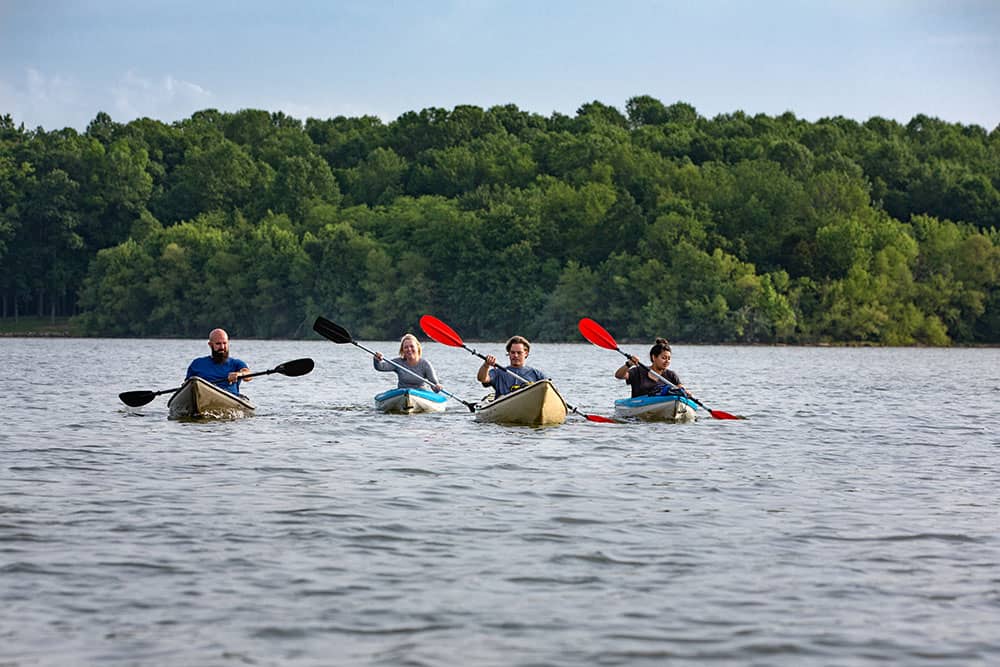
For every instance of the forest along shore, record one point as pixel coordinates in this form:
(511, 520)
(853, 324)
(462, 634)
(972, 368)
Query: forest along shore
(653, 220)
(36, 327)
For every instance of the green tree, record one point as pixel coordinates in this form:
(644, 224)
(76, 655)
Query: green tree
(218, 178)
(115, 296)
(378, 179)
(300, 183)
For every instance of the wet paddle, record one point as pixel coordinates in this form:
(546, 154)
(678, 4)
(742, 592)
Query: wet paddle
(599, 336)
(338, 334)
(445, 335)
(292, 368)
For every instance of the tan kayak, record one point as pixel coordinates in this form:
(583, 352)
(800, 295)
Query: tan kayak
(538, 404)
(200, 399)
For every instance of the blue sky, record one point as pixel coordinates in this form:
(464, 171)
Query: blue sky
(61, 62)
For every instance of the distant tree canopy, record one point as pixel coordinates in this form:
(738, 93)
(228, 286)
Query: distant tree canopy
(655, 221)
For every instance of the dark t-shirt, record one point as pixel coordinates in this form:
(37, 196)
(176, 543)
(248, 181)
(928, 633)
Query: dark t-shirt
(643, 385)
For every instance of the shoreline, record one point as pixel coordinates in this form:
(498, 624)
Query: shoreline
(848, 344)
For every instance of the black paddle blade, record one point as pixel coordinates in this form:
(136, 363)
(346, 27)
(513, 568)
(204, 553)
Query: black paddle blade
(295, 368)
(331, 331)
(135, 399)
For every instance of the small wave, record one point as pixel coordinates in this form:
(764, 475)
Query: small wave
(944, 537)
(300, 632)
(318, 513)
(561, 581)
(600, 558)
(412, 471)
(23, 567)
(574, 520)
(145, 565)
(548, 537)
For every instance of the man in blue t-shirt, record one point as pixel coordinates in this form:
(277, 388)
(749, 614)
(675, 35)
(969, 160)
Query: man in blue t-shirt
(503, 382)
(219, 368)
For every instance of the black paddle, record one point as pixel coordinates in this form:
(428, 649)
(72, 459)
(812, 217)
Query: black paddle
(293, 368)
(338, 334)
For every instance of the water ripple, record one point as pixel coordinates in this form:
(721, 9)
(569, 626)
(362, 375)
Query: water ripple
(844, 523)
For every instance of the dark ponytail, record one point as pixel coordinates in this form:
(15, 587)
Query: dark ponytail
(659, 345)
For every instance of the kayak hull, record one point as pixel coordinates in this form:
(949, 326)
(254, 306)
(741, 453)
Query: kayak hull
(677, 409)
(199, 399)
(410, 401)
(538, 404)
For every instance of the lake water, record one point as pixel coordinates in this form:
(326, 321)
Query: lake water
(853, 519)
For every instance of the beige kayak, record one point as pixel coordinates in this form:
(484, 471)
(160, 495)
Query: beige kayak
(201, 399)
(538, 404)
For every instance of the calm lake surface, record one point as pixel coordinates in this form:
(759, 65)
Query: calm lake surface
(853, 519)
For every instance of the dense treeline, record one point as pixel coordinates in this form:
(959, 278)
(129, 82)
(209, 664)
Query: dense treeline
(655, 221)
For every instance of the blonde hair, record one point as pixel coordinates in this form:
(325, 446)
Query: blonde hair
(420, 350)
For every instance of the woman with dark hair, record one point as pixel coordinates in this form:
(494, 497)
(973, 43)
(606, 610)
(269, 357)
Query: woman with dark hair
(644, 382)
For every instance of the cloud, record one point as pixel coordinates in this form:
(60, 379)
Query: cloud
(166, 99)
(54, 101)
(38, 100)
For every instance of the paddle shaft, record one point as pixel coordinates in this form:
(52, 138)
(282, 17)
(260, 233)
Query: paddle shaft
(662, 379)
(594, 418)
(718, 414)
(673, 386)
(658, 376)
(495, 365)
(292, 368)
(416, 375)
(599, 336)
(443, 333)
(338, 334)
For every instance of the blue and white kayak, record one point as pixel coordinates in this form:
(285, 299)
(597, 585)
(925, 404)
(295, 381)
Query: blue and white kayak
(410, 401)
(670, 408)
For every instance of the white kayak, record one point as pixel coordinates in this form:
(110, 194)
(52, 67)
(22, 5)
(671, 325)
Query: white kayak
(670, 408)
(200, 399)
(538, 404)
(410, 401)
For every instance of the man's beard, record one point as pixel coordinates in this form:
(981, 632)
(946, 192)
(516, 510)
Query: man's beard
(219, 356)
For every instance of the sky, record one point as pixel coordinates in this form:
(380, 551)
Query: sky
(63, 61)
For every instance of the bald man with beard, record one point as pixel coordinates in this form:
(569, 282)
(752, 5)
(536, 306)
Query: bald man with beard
(219, 368)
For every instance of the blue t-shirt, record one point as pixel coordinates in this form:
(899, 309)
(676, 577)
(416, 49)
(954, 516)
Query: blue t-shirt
(217, 374)
(503, 382)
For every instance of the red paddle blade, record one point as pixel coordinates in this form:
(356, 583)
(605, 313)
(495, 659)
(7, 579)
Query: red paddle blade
(600, 419)
(440, 331)
(719, 414)
(597, 334)
(594, 418)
